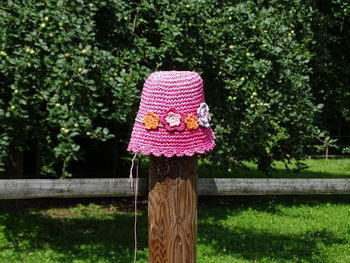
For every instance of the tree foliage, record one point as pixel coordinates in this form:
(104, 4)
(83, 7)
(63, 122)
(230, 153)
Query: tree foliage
(74, 69)
(331, 64)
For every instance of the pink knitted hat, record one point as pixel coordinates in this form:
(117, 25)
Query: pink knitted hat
(173, 118)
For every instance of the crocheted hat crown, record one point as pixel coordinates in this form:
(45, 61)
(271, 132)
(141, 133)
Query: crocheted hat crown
(173, 118)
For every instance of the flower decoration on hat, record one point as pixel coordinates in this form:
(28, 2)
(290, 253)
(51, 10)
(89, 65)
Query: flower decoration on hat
(151, 120)
(191, 122)
(203, 115)
(173, 120)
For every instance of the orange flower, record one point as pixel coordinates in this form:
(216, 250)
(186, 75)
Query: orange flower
(151, 120)
(191, 122)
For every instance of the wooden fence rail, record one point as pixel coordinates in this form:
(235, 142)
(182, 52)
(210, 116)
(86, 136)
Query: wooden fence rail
(103, 187)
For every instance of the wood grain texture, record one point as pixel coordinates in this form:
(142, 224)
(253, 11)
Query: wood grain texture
(70, 188)
(67, 188)
(261, 186)
(172, 209)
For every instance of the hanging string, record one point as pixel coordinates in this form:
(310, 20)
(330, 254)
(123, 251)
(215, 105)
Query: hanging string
(135, 209)
(131, 179)
(136, 189)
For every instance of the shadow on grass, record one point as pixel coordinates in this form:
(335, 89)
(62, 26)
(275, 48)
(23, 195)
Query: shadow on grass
(91, 239)
(255, 244)
(109, 238)
(272, 203)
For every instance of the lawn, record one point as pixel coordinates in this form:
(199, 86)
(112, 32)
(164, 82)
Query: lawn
(316, 168)
(231, 229)
(254, 229)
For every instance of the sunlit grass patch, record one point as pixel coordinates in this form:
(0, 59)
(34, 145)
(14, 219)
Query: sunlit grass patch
(232, 229)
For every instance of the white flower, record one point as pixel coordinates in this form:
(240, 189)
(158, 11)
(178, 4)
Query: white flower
(173, 119)
(203, 115)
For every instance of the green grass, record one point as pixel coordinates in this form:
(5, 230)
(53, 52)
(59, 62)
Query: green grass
(317, 168)
(232, 229)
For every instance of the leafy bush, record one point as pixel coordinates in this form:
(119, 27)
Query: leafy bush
(60, 83)
(73, 70)
(331, 64)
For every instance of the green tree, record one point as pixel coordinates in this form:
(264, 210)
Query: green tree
(73, 70)
(57, 83)
(331, 65)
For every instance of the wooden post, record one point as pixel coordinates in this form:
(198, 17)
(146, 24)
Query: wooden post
(172, 209)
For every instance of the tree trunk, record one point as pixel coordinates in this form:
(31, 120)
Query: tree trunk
(14, 166)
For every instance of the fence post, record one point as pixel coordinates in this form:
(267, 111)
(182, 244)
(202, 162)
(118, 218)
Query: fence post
(173, 120)
(172, 209)
(326, 153)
